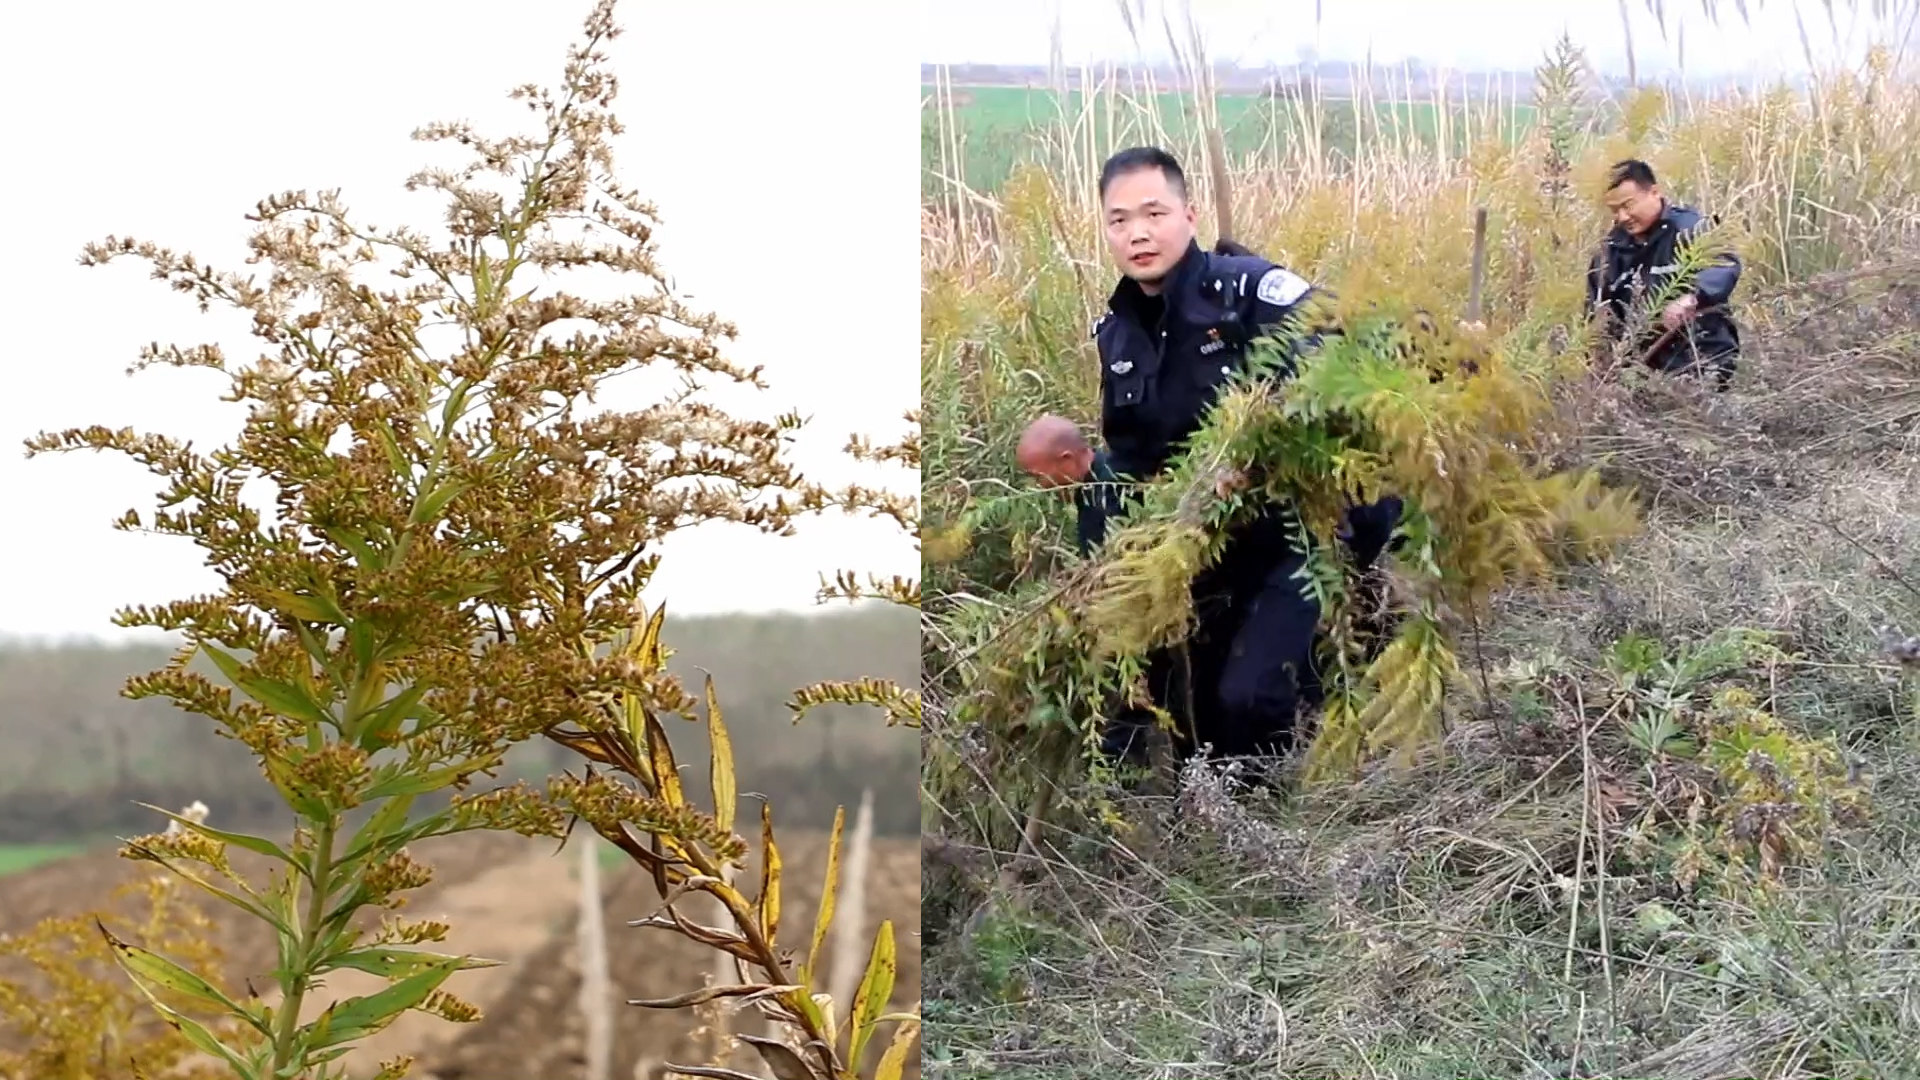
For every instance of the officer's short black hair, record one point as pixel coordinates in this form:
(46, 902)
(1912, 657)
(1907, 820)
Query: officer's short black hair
(1632, 169)
(1135, 158)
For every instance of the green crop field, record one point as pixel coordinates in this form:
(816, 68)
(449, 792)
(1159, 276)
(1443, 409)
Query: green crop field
(17, 857)
(1001, 126)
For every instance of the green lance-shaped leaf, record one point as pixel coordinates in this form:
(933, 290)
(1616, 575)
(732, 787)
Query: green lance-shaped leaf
(258, 910)
(402, 963)
(431, 506)
(381, 826)
(150, 969)
(201, 1038)
(282, 698)
(359, 1017)
(361, 639)
(240, 840)
(396, 460)
(410, 783)
(725, 795)
(876, 989)
(314, 608)
(363, 552)
(381, 725)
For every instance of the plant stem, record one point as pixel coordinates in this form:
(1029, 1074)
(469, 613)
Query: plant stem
(309, 931)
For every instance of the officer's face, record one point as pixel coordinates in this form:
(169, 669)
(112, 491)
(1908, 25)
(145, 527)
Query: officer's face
(1149, 225)
(1635, 208)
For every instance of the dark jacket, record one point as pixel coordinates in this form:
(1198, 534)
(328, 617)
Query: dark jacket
(1164, 360)
(1628, 272)
(1096, 503)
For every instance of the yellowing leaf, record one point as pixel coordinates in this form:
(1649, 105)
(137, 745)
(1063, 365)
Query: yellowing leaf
(786, 1064)
(825, 918)
(634, 710)
(769, 876)
(893, 1063)
(650, 653)
(876, 989)
(725, 796)
(666, 775)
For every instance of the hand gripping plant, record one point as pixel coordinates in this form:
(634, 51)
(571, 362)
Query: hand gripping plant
(450, 565)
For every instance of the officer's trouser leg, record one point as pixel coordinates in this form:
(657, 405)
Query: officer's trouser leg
(1721, 367)
(1370, 533)
(1370, 529)
(1124, 738)
(1268, 672)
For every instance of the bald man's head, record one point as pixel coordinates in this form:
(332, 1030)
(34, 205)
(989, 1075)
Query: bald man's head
(1054, 451)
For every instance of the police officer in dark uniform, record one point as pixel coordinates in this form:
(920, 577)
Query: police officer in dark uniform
(1176, 328)
(1694, 332)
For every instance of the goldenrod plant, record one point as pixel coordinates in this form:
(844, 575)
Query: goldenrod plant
(67, 1007)
(449, 564)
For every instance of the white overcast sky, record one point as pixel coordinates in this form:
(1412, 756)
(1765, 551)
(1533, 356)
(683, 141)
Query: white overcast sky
(780, 140)
(788, 182)
(1467, 34)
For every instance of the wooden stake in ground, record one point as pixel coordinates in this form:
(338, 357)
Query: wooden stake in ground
(1479, 277)
(1222, 190)
(596, 998)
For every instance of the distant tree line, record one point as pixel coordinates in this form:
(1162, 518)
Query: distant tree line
(81, 758)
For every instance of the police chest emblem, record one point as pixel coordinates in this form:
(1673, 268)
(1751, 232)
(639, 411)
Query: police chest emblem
(1280, 287)
(1120, 367)
(1213, 343)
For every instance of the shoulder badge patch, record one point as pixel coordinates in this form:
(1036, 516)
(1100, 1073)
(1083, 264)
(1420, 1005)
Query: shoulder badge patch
(1280, 287)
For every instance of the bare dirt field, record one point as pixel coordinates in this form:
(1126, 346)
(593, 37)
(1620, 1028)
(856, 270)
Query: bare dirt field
(515, 900)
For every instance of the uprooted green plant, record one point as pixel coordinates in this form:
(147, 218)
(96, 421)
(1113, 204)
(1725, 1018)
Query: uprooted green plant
(1390, 404)
(451, 565)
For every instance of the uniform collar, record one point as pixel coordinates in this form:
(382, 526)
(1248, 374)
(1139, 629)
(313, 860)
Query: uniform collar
(1127, 295)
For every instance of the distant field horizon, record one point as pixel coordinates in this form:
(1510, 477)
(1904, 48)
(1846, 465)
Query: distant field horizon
(997, 125)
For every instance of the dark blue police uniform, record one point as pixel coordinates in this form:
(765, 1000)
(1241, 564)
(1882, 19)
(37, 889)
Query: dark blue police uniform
(1163, 360)
(1628, 269)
